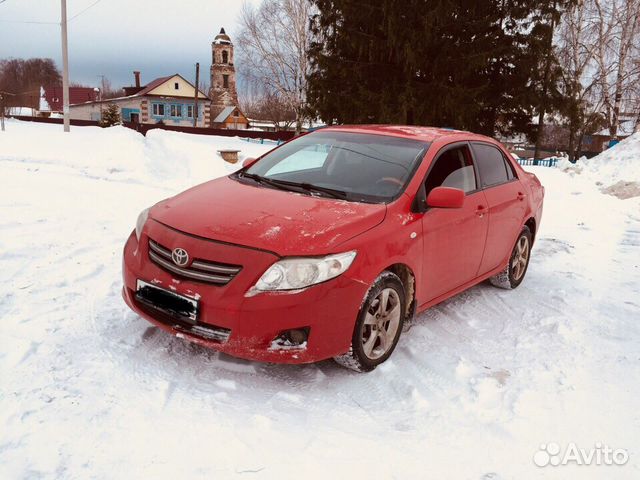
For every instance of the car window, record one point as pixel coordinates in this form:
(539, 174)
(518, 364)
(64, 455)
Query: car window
(307, 158)
(454, 169)
(491, 165)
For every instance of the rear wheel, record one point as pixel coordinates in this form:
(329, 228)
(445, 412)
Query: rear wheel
(378, 326)
(514, 272)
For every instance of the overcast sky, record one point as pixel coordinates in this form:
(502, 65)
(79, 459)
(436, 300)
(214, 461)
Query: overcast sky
(115, 37)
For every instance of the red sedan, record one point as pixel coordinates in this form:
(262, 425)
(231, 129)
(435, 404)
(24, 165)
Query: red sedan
(326, 245)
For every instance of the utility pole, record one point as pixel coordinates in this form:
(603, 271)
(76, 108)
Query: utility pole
(3, 95)
(65, 66)
(2, 110)
(195, 100)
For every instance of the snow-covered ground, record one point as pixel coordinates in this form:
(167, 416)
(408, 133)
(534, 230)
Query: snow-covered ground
(477, 384)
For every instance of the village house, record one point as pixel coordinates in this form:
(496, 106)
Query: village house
(171, 100)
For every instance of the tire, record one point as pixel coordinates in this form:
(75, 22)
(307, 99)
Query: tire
(378, 326)
(516, 269)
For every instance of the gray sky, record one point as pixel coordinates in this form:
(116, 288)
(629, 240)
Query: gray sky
(115, 37)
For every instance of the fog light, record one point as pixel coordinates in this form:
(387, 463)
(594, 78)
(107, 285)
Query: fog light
(294, 339)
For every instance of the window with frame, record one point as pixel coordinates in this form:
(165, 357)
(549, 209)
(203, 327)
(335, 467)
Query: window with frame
(176, 110)
(492, 165)
(190, 111)
(176, 86)
(454, 169)
(158, 109)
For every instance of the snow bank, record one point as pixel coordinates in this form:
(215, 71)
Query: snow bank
(118, 153)
(616, 170)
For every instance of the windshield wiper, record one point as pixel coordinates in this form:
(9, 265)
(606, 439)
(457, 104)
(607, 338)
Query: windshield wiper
(294, 186)
(267, 181)
(329, 191)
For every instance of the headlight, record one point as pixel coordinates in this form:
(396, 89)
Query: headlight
(142, 218)
(298, 273)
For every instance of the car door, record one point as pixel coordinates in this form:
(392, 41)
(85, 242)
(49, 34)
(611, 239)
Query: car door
(453, 238)
(505, 196)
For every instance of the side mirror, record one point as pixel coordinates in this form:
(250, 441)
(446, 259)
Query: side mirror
(247, 162)
(445, 197)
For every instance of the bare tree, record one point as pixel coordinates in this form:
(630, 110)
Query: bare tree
(273, 44)
(577, 50)
(618, 52)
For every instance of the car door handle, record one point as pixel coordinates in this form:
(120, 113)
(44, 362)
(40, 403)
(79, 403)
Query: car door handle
(521, 196)
(481, 210)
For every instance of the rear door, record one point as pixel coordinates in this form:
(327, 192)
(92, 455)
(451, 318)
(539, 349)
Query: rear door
(453, 237)
(505, 197)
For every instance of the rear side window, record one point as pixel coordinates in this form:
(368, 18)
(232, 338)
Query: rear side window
(454, 169)
(492, 165)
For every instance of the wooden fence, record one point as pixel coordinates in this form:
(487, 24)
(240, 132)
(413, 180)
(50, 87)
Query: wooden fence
(143, 128)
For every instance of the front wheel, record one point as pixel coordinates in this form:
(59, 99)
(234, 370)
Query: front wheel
(514, 272)
(378, 325)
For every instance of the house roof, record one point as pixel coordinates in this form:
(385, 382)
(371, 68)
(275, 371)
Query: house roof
(53, 95)
(224, 114)
(146, 90)
(153, 84)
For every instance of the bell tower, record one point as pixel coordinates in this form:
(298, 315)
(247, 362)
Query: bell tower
(223, 91)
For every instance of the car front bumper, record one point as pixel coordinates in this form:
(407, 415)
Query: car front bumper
(327, 310)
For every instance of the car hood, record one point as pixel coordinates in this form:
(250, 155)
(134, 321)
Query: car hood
(286, 223)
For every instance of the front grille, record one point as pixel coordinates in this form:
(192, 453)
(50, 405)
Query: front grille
(201, 270)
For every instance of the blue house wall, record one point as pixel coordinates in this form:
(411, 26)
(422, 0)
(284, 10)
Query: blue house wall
(167, 118)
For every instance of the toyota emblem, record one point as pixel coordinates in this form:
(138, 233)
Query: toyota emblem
(180, 257)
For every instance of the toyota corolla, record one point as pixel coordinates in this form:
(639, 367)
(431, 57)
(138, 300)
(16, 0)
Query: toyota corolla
(325, 246)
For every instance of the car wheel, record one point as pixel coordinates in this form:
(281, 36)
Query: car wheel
(514, 272)
(378, 325)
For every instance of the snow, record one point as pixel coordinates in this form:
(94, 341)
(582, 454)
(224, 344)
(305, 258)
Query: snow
(616, 170)
(476, 385)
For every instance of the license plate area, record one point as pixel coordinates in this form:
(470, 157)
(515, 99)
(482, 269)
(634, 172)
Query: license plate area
(173, 304)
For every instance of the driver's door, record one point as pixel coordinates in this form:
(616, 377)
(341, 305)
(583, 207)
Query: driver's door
(454, 238)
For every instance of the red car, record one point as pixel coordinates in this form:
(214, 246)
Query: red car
(326, 245)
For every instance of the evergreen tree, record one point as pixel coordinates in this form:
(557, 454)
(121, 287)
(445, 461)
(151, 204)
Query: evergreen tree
(110, 116)
(468, 65)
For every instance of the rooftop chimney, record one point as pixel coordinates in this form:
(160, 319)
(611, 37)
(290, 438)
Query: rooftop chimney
(137, 75)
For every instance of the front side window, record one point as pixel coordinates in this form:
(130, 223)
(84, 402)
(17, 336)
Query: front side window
(357, 166)
(176, 110)
(158, 109)
(190, 111)
(225, 81)
(454, 169)
(491, 165)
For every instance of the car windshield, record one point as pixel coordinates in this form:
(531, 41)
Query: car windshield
(352, 166)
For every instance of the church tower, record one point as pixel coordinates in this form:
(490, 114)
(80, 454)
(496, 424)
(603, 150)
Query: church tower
(223, 91)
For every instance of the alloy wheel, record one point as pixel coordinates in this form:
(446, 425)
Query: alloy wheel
(520, 258)
(381, 323)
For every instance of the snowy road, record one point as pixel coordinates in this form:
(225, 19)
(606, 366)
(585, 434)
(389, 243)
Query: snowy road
(89, 390)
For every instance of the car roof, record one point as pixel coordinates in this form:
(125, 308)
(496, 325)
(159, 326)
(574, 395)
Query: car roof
(427, 134)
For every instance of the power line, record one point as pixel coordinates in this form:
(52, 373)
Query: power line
(82, 11)
(33, 22)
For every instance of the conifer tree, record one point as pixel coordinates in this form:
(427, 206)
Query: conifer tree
(110, 116)
(468, 65)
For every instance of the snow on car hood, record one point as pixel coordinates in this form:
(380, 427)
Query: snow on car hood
(286, 223)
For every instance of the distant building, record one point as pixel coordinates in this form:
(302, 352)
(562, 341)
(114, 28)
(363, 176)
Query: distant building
(51, 97)
(168, 100)
(225, 112)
